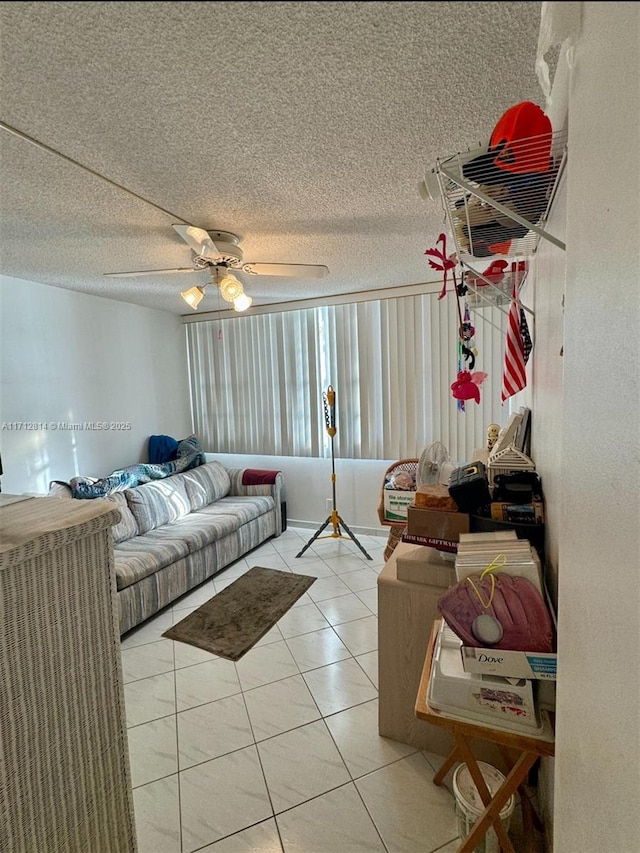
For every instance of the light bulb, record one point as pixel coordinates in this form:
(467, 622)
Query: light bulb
(242, 302)
(230, 287)
(193, 296)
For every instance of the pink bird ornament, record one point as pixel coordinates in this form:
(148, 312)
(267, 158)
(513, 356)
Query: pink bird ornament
(446, 263)
(467, 385)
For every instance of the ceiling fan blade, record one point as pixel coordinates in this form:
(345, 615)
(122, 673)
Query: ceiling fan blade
(199, 241)
(131, 274)
(295, 270)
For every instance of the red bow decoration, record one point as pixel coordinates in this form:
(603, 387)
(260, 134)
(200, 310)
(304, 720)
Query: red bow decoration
(447, 263)
(467, 385)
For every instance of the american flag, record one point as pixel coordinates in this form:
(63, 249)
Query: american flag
(514, 376)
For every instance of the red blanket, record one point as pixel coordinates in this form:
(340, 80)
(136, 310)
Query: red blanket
(258, 477)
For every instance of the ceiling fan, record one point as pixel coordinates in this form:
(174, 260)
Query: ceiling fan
(219, 252)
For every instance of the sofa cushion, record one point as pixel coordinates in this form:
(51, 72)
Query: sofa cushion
(144, 555)
(127, 527)
(242, 509)
(206, 484)
(158, 503)
(199, 529)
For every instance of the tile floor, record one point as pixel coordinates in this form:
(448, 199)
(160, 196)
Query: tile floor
(279, 751)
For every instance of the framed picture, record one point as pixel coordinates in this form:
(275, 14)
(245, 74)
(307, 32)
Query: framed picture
(506, 436)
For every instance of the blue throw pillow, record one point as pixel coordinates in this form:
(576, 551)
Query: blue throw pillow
(162, 448)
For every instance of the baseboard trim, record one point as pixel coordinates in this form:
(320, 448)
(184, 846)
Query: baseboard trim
(363, 531)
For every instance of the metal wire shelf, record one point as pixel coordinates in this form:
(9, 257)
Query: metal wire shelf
(498, 202)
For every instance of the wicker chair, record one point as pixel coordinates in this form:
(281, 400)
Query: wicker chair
(397, 528)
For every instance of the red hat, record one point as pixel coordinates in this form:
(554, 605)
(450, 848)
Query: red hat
(522, 137)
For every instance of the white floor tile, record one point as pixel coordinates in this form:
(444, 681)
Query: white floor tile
(261, 838)
(301, 620)
(359, 636)
(221, 797)
(195, 598)
(369, 597)
(144, 661)
(350, 563)
(308, 566)
(212, 730)
(344, 608)
(328, 587)
(336, 822)
(355, 732)
(422, 817)
(271, 560)
(339, 686)
(222, 581)
(157, 814)
(280, 707)
(272, 636)
(318, 648)
(150, 631)
(205, 682)
(150, 698)
(361, 579)
(301, 764)
(186, 655)
(264, 664)
(235, 570)
(186, 708)
(369, 664)
(153, 752)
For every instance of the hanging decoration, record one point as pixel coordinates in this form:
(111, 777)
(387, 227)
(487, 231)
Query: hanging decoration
(468, 381)
(514, 375)
(467, 385)
(527, 343)
(467, 333)
(446, 263)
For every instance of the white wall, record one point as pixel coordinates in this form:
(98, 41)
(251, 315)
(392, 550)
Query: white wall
(308, 485)
(67, 357)
(586, 437)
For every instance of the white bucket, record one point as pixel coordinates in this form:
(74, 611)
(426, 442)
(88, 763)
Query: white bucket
(469, 805)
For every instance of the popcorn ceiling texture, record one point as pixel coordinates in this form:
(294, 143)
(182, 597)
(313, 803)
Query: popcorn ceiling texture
(304, 128)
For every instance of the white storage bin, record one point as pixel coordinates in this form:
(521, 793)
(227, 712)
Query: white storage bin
(469, 805)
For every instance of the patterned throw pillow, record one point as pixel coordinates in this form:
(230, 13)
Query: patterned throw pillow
(127, 527)
(191, 445)
(158, 503)
(205, 484)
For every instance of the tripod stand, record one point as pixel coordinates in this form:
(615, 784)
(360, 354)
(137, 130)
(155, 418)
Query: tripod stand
(329, 403)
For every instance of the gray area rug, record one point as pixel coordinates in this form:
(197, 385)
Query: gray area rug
(233, 621)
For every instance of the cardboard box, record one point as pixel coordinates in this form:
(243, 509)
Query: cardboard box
(510, 664)
(438, 529)
(418, 564)
(396, 504)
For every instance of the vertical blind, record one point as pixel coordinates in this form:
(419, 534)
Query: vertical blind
(257, 382)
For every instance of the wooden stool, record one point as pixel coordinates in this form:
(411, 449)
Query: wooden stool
(529, 750)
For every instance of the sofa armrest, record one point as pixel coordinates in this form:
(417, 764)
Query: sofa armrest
(256, 481)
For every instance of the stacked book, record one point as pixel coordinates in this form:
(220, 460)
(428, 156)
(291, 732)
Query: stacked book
(502, 550)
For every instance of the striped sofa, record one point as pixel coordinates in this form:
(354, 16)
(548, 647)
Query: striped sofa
(175, 533)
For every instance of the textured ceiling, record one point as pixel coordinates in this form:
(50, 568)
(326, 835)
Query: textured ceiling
(304, 128)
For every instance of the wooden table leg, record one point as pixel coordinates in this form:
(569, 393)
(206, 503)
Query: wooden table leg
(491, 814)
(454, 756)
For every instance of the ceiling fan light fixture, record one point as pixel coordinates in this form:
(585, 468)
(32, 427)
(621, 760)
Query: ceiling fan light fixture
(193, 296)
(242, 302)
(230, 288)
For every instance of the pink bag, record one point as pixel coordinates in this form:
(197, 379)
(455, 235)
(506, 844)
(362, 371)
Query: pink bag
(500, 611)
